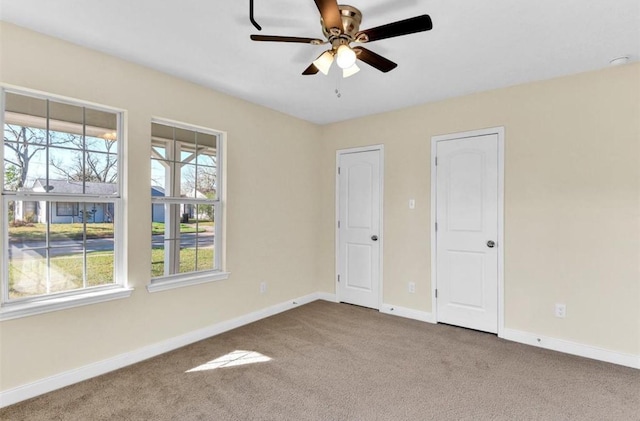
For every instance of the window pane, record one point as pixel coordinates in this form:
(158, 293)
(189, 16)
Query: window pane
(205, 258)
(206, 157)
(100, 265)
(27, 272)
(65, 172)
(158, 150)
(25, 232)
(101, 168)
(108, 143)
(18, 106)
(101, 126)
(66, 139)
(161, 131)
(19, 175)
(206, 182)
(159, 177)
(67, 118)
(188, 182)
(188, 259)
(186, 137)
(66, 271)
(23, 134)
(38, 266)
(208, 140)
(157, 255)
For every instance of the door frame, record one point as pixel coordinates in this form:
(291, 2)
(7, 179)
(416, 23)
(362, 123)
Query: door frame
(499, 131)
(339, 153)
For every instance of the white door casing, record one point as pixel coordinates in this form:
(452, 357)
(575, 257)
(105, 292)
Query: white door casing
(359, 226)
(467, 244)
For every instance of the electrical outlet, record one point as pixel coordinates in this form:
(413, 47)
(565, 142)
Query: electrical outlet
(412, 203)
(263, 287)
(412, 287)
(561, 310)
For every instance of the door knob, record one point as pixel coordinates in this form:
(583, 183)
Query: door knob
(491, 244)
(374, 237)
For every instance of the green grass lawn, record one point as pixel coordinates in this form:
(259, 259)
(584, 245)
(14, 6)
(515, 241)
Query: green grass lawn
(158, 227)
(37, 232)
(57, 232)
(27, 277)
(187, 260)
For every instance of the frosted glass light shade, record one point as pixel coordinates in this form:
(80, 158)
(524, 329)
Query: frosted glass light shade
(323, 63)
(346, 57)
(350, 71)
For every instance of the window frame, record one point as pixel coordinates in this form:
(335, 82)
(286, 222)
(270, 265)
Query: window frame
(177, 280)
(74, 206)
(28, 306)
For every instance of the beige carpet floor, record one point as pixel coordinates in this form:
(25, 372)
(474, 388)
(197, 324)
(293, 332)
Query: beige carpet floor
(340, 362)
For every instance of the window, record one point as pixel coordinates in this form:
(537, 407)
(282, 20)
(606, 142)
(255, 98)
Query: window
(186, 209)
(66, 208)
(60, 203)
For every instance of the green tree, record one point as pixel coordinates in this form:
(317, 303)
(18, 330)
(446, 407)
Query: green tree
(25, 143)
(11, 177)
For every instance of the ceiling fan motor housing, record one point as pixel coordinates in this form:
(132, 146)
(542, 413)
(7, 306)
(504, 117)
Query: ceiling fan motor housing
(351, 20)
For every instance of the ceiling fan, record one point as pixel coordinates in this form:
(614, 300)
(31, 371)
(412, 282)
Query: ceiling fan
(341, 27)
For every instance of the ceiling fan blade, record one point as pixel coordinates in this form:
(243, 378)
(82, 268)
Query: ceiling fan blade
(276, 38)
(311, 70)
(396, 29)
(375, 60)
(330, 13)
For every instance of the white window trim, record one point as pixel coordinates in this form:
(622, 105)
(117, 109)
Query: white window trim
(179, 280)
(53, 303)
(48, 303)
(186, 279)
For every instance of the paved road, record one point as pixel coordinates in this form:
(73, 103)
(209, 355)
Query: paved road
(31, 249)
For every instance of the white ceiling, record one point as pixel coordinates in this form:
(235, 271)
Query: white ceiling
(474, 46)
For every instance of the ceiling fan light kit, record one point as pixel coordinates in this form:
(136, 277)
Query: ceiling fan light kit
(346, 57)
(323, 63)
(341, 27)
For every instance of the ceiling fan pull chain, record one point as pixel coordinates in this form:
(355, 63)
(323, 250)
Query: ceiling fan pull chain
(338, 94)
(253, 21)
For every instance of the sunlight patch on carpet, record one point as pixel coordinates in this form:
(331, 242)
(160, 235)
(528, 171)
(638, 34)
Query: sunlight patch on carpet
(232, 359)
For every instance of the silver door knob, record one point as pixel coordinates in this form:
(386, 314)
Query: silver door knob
(491, 244)
(374, 237)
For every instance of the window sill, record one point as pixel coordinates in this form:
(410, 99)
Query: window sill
(18, 310)
(185, 280)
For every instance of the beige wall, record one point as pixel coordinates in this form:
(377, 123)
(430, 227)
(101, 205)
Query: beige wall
(572, 205)
(272, 206)
(572, 201)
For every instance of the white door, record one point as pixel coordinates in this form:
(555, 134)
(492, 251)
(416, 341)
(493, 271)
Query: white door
(467, 232)
(359, 199)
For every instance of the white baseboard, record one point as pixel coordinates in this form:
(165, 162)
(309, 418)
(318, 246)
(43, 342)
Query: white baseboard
(49, 384)
(57, 381)
(325, 296)
(408, 313)
(572, 348)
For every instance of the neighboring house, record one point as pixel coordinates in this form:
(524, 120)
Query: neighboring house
(67, 212)
(188, 211)
(157, 209)
(70, 212)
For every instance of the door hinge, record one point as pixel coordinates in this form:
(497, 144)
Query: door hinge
(338, 278)
(338, 224)
(338, 170)
(436, 161)
(436, 293)
(436, 226)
